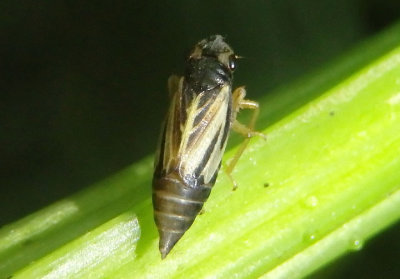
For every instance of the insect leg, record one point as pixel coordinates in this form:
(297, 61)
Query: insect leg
(246, 130)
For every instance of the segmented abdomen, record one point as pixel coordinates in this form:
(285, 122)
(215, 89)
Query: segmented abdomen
(176, 205)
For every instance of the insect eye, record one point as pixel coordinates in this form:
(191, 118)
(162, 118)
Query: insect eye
(232, 62)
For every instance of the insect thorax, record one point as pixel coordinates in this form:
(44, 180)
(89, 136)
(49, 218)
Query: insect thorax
(205, 74)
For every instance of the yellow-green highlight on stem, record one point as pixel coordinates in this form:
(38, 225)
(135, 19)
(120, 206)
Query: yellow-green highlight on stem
(349, 236)
(94, 255)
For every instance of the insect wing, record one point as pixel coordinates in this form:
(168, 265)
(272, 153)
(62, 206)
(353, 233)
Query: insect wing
(194, 136)
(166, 156)
(204, 136)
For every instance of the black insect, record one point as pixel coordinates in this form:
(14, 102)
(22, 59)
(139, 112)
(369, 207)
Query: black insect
(203, 110)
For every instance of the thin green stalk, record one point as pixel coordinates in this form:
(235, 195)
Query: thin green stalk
(324, 182)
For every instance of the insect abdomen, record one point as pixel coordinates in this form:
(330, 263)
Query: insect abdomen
(176, 205)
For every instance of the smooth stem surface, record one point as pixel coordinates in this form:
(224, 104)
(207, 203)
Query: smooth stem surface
(331, 167)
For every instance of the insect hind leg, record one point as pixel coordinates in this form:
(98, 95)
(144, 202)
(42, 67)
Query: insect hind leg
(239, 102)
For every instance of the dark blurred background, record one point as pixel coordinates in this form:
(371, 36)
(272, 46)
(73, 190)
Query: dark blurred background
(83, 86)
